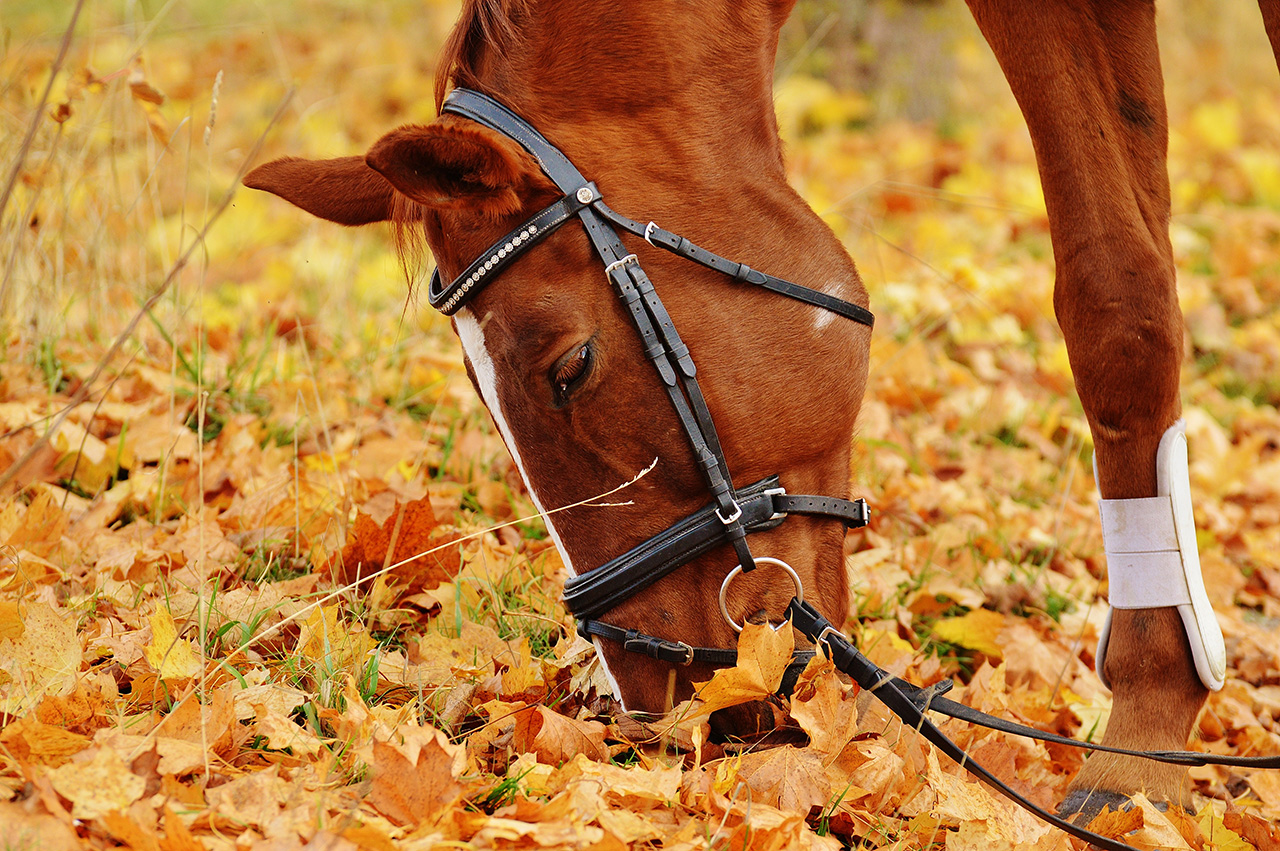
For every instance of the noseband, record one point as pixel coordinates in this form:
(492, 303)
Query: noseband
(733, 513)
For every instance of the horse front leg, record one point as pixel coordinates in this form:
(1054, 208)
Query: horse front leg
(1087, 78)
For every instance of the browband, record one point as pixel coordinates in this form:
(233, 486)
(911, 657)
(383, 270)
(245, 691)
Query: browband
(580, 193)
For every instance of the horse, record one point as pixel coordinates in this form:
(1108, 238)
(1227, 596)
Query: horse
(667, 108)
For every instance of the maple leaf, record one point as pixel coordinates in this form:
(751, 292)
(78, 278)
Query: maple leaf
(415, 775)
(44, 659)
(97, 783)
(557, 739)
(828, 714)
(763, 656)
(410, 529)
(789, 778)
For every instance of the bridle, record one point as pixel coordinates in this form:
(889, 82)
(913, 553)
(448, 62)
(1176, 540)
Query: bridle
(733, 513)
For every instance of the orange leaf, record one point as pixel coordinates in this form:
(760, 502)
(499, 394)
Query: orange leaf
(557, 739)
(789, 778)
(409, 531)
(763, 656)
(416, 782)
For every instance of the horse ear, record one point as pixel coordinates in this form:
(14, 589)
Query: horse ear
(344, 190)
(457, 164)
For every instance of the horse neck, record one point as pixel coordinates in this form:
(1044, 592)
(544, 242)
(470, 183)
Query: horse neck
(684, 88)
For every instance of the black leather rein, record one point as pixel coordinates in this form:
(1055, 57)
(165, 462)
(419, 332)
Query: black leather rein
(733, 513)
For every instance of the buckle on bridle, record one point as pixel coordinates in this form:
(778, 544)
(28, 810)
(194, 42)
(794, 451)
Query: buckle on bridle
(737, 512)
(772, 492)
(618, 264)
(648, 233)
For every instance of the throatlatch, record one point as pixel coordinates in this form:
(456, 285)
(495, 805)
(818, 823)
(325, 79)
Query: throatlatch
(1153, 561)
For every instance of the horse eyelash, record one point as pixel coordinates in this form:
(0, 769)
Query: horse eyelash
(572, 369)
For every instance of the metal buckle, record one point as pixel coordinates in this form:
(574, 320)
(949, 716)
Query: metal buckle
(777, 515)
(822, 636)
(618, 264)
(737, 512)
(688, 654)
(724, 587)
(648, 233)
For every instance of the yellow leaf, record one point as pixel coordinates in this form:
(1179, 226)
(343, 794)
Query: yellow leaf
(763, 656)
(98, 786)
(44, 660)
(976, 630)
(172, 658)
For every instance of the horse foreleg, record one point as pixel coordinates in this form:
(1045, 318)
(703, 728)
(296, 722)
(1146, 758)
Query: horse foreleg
(1087, 78)
(1271, 20)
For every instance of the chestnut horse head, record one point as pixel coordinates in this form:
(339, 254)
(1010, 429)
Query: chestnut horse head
(667, 108)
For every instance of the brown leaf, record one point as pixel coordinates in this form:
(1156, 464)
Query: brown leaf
(1264, 835)
(415, 781)
(829, 714)
(789, 778)
(413, 529)
(557, 739)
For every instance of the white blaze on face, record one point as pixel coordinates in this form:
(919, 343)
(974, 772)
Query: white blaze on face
(472, 337)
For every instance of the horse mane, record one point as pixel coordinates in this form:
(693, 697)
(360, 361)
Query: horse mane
(482, 25)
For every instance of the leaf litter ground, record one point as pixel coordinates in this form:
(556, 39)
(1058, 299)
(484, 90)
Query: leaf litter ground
(275, 584)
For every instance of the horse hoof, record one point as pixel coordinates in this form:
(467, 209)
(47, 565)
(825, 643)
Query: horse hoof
(1083, 805)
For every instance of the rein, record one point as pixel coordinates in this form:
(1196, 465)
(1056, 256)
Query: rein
(733, 513)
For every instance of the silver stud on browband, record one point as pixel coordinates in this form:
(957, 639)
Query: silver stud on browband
(585, 195)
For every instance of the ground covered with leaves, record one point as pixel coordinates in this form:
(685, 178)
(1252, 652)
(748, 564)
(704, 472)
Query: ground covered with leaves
(268, 579)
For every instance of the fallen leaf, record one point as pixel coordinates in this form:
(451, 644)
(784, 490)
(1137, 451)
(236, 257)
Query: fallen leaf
(557, 739)
(416, 784)
(98, 785)
(976, 630)
(171, 657)
(763, 656)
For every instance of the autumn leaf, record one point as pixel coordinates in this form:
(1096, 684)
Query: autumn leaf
(789, 778)
(410, 539)
(763, 656)
(97, 784)
(43, 660)
(171, 657)
(557, 739)
(976, 630)
(415, 778)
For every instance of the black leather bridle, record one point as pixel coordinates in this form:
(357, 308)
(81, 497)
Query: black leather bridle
(733, 513)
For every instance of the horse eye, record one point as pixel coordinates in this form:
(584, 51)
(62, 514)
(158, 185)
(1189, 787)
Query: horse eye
(569, 372)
